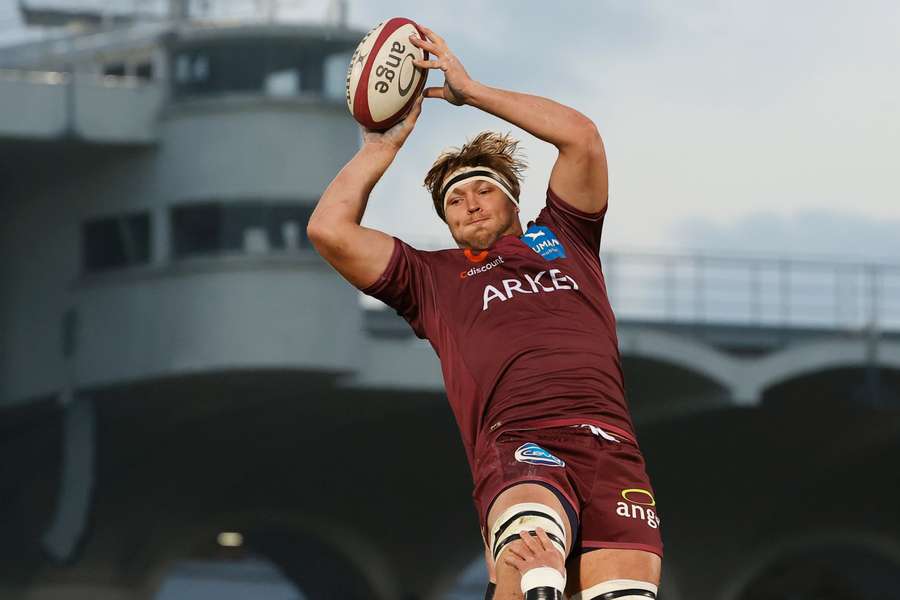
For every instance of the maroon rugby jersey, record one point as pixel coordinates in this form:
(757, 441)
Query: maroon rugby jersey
(521, 338)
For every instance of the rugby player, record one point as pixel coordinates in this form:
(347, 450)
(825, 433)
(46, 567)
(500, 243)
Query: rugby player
(526, 338)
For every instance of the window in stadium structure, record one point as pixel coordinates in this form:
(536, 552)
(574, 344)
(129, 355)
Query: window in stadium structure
(283, 83)
(114, 69)
(115, 242)
(144, 70)
(182, 69)
(239, 227)
(243, 227)
(196, 229)
(281, 68)
(286, 224)
(334, 75)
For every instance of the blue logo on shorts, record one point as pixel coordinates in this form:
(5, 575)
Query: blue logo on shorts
(544, 242)
(535, 455)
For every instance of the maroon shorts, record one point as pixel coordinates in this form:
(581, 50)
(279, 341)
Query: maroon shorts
(603, 481)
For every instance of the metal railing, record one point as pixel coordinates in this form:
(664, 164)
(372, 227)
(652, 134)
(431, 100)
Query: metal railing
(34, 76)
(66, 78)
(754, 291)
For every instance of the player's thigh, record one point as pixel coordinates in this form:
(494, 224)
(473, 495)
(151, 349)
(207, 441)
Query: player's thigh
(597, 566)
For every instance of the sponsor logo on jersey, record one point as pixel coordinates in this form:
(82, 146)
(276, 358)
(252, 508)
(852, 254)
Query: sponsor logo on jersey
(485, 267)
(545, 281)
(535, 455)
(475, 258)
(544, 242)
(638, 504)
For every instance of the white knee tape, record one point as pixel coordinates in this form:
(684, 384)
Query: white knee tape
(543, 577)
(627, 589)
(527, 516)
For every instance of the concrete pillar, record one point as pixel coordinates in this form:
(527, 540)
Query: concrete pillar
(76, 479)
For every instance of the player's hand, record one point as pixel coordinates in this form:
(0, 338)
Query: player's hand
(456, 80)
(396, 135)
(533, 551)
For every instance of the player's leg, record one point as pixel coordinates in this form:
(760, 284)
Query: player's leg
(518, 509)
(614, 573)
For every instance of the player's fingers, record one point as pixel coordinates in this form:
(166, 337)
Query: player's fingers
(405, 126)
(427, 64)
(424, 44)
(414, 111)
(514, 561)
(544, 539)
(432, 35)
(519, 552)
(434, 92)
(530, 541)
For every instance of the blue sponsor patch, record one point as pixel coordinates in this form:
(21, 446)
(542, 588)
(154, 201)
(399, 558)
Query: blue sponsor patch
(535, 455)
(544, 242)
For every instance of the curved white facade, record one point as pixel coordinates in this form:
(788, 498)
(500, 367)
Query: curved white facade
(66, 325)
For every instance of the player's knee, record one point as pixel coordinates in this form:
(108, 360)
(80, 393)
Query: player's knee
(539, 583)
(527, 516)
(620, 589)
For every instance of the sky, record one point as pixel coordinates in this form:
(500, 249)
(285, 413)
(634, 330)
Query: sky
(748, 126)
(759, 127)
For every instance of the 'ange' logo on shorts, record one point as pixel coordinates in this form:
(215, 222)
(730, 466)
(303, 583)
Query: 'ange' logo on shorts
(535, 455)
(639, 504)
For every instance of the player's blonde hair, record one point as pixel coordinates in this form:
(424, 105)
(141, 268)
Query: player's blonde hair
(499, 151)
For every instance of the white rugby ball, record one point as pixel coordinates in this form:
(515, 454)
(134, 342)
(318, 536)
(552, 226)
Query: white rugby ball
(382, 81)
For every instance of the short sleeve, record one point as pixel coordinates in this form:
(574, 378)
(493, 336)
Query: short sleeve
(577, 225)
(405, 285)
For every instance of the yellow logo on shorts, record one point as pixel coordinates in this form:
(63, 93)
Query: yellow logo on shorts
(632, 494)
(637, 505)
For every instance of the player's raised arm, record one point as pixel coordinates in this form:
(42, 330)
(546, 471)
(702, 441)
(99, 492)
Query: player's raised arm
(579, 176)
(358, 253)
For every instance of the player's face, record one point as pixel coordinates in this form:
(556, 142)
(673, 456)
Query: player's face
(478, 214)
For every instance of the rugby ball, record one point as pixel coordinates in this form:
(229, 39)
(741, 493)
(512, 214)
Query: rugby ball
(382, 81)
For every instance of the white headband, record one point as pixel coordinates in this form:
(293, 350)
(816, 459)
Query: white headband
(466, 174)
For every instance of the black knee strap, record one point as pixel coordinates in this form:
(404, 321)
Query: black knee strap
(489, 592)
(543, 593)
(633, 593)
